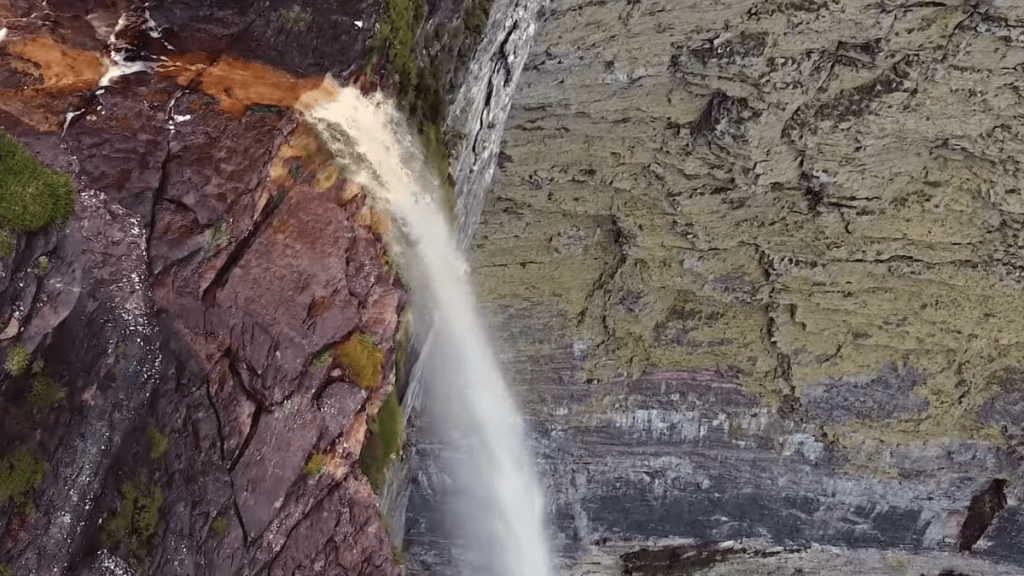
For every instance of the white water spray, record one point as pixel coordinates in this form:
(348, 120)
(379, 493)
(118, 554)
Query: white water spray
(460, 364)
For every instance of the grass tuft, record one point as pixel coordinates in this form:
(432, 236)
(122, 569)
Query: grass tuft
(31, 196)
(46, 392)
(383, 442)
(17, 361)
(363, 360)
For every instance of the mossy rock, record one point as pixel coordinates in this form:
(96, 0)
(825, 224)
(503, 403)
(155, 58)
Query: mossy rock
(31, 196)
(363, 360)
(384, 441)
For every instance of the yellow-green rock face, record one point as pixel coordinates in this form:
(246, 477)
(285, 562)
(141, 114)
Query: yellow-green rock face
(819, 202)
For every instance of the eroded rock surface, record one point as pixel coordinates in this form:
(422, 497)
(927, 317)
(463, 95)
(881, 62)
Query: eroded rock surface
(754, 268)
(215, 250)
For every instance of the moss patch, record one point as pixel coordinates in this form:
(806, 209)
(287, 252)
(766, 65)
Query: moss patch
(21, 474)
(31, 196)
(314, 467)
(362, 358)
(384, 441)
(400, 20)
(6, 243)
(157, 442)
(135, 523)
(17, 361)
(219, 526)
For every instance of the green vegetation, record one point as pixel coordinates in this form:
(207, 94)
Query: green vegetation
(295, 18)
(400, 20)
(46, 392)
(265, 109)
(321, 360)
(5, 570)
(17, 361)
(217, 237)
(6, 248)
(219, 526)
(157, 442)
(314, 467)
(42, 266)
(31, 196)
(384, 441)
(363, 360)
(135, 523)
(396, 556)
(21, 474)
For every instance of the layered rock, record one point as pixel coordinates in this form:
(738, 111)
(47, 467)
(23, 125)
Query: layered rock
(753, 267)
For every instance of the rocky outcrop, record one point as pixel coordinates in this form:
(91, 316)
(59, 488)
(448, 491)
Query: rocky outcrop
(190, 307)
(753, 267)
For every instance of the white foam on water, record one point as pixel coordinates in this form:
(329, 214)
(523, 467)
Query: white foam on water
(508, 527)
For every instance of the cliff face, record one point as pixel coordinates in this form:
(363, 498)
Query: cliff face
(189, 311)
(754, 267)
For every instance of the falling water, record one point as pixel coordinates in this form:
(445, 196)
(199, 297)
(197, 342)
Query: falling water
(507, 525)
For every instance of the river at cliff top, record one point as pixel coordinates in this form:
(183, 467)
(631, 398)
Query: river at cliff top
(506, 528)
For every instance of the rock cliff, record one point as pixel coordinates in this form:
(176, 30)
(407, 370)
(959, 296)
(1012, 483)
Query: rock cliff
(202, 417)
(754, 267)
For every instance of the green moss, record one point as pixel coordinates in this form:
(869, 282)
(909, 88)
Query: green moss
(21, 474)
(266, 109)
(6, 245)
(42, 266)
(135, 523)
(5, 570)
(157, 442)
(384, 441)
(314, 467)
(363, 360)
(321, 360)
(46, 392)
(216, 238)
(31, 196)
(219, 526)
(400, 21)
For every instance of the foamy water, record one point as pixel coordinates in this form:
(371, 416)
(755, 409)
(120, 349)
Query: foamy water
(469, 390)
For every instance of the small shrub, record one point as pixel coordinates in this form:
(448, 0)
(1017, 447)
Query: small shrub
(42, 266)
(321, 360)
(21, 474)
(46, 392)
(6, 249)
(363, 359)
(31, 196)
(219, 526)
(383, 442)
(17, 361)
(135, 522)
(314, 467)
(157, 442)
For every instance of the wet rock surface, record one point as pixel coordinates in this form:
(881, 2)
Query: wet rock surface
(753, 267)
(211, 256)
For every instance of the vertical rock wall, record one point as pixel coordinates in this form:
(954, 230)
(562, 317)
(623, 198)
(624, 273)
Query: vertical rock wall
(754, 267)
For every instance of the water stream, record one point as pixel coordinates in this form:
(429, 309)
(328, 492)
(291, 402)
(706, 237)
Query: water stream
(505, 522)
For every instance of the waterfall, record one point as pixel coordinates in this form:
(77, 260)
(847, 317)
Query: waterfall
(506, 524)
